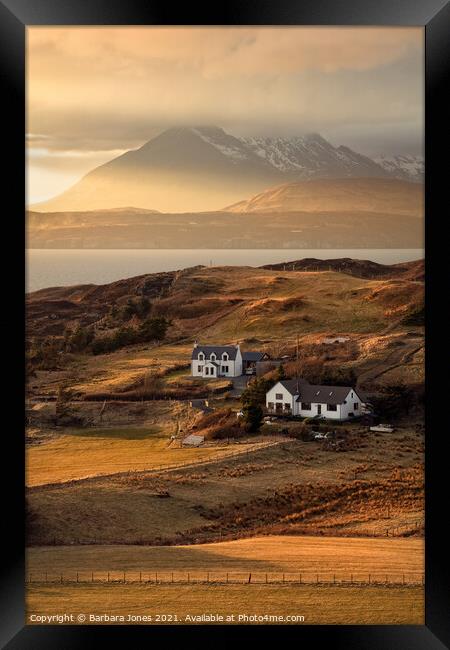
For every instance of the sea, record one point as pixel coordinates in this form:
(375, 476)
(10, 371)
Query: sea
(54, 267)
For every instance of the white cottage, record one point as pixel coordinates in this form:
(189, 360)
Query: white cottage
(210, 361)
(298, 397)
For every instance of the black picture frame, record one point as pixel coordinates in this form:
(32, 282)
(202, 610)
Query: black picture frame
(434, 15)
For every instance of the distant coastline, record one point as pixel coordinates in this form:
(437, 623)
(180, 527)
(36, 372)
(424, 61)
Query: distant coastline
(59, 267)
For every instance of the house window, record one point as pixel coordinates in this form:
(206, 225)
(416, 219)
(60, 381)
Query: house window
(212, 356)
(199, 368)
(331, 407)
(224, 368)
(225, 356)
(270, 405)
(306, 406)
(287, 407)
(201, 356)
(279, 396)
(356, 406)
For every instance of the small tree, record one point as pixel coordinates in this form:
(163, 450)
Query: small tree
(63, 398)
(394, 401)
(280, 374)
(253, 415)
(153, 329)
(256, 390)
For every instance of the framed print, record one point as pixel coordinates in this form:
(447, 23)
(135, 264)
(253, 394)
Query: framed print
(233, 412)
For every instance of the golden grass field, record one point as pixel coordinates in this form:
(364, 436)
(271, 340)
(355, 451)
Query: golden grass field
(330, 558)
(272, 553)
(82, 453)
(126, 508)
(361, 605)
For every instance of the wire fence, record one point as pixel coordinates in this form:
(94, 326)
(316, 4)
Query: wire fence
(225, 578)
(405, 529)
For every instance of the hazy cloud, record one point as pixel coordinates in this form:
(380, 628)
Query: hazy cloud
(102, 90)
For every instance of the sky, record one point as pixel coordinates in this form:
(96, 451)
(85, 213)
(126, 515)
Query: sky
(95, 92)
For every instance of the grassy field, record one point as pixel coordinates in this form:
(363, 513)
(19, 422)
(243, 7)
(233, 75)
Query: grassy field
(317, 604)
(373, 487)
(81, 453)
(271, 553)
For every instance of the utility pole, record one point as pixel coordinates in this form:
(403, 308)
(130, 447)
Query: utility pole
(297, 348)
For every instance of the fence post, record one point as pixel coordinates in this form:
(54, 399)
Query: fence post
(249, 578)
(283, 578)
(351, 578)
(334, 579)
(317, 577)
(207, 577)
(124, 577)
(227, 578)
(92, 577)
(188, 578)
(156, 578)
(369, 578)
(266, 578)
(300, 576)
(172, 577)
(140, 576)
(403, 578)
(77, 576)
(108, 576)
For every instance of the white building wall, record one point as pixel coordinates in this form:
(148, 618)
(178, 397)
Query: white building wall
(341, 413)
(287, 398)
(347, 408)
(234, 366)
(238, 364)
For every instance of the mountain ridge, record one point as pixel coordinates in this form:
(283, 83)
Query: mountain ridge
(385, 195)
(196, 169)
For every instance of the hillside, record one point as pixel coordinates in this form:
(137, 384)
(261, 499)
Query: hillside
(376, 195)
(238, 302)
(205, 168)
(359, 268)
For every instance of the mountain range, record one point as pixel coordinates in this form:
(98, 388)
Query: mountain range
(197, 169)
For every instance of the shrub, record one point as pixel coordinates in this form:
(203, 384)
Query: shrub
(151, 329)
(256, 390)
(79, 339)
(253, 415)
(415, 317)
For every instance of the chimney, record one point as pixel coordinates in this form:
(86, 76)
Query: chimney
(195, 344)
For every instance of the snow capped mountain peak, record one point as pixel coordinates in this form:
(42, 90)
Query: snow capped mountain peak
(311, 155)
(231, 147)
(404, 167)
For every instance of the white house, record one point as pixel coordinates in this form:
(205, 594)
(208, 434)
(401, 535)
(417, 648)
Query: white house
(298, 397)
(216, 361)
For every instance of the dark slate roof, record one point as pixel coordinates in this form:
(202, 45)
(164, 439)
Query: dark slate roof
(217, 349)
(311, 393)
(253, 356)
(291, 384)
(323, 394)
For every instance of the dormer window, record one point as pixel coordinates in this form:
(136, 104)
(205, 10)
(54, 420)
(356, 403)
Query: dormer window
(225, 356)
(212, 356)
(201, 356)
